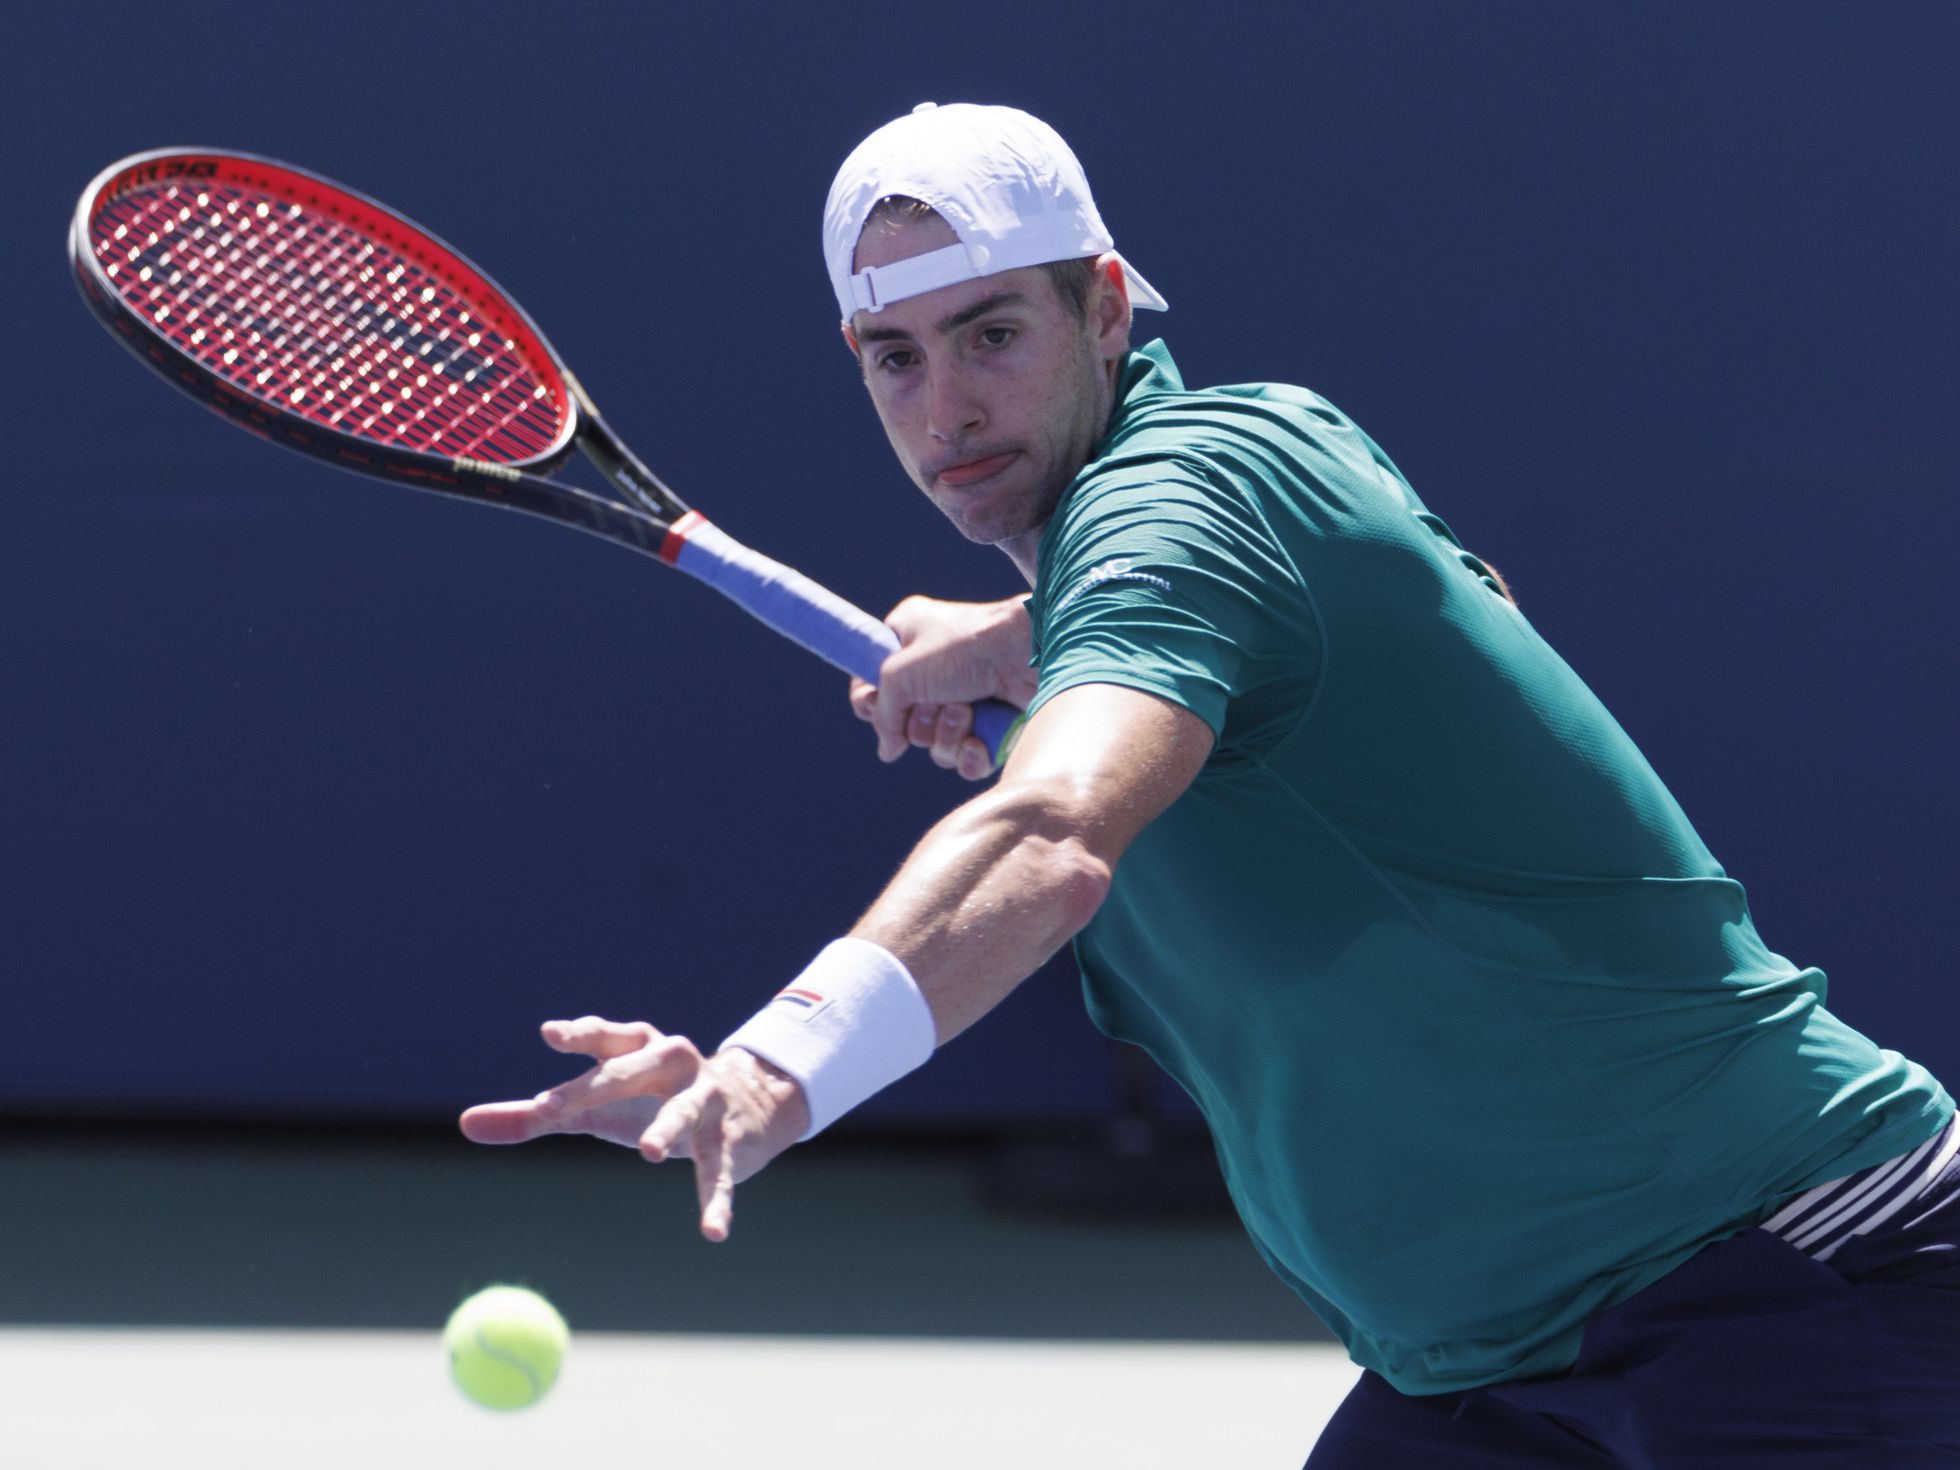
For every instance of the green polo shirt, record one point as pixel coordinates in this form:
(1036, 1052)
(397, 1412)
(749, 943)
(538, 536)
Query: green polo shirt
(1485, 1036)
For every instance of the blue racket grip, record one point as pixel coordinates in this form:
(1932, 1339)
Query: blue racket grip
(836, 631)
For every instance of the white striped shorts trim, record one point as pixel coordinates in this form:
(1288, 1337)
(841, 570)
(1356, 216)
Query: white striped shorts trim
(1823, 1218)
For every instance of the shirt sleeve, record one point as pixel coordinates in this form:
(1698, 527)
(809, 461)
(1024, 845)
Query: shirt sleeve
(1164, 581)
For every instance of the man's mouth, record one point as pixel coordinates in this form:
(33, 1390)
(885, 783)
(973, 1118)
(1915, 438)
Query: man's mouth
(972, 471)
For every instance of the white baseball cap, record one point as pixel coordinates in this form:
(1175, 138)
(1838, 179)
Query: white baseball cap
(1005, 182)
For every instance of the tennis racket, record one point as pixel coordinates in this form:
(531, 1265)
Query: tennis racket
(319, 319)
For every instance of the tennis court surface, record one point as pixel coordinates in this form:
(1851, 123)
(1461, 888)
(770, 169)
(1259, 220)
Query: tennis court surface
(263, 1296)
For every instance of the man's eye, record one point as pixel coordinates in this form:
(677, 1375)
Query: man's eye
(892, 362)
(997, 336)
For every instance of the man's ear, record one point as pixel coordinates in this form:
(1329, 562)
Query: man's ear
(851, 341)
(1109, 307)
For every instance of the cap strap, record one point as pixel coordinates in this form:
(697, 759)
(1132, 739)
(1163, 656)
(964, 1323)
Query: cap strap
(878, 286)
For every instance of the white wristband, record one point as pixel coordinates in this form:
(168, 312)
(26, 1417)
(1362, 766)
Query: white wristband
(852, 1023)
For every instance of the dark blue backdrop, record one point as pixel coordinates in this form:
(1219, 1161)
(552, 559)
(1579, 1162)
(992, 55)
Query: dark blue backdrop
(319, 795)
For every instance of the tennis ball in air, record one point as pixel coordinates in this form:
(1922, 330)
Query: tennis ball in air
(505, 1345)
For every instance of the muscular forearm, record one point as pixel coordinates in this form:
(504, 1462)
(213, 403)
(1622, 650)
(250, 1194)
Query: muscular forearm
(990, 893)
(1011, 876)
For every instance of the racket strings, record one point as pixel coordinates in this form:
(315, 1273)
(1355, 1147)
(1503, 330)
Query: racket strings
(297, 308)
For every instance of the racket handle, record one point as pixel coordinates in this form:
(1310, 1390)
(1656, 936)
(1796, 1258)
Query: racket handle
(836, 631)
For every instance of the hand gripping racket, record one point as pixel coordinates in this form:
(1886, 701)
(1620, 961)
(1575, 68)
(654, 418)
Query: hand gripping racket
(324, 321)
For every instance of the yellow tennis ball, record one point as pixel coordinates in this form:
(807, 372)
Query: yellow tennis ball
(505, 1346)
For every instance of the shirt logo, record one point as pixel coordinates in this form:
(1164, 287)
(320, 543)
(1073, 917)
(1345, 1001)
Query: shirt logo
(1116, 569)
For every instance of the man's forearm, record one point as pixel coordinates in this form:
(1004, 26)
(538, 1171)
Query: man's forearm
(989, 894)
(1003, 882)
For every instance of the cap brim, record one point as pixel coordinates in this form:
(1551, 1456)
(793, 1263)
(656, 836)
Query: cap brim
(1142, 293)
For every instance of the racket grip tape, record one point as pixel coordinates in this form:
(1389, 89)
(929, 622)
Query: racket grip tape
(808, 613)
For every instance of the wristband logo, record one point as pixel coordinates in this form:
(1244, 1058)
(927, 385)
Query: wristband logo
(1116, 569)
(803, 1003)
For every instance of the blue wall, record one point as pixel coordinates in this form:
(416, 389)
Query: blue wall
(320, 795)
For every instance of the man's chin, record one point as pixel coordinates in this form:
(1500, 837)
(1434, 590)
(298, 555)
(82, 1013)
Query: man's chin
(984, 530)
(994, 514)
(978, 535)
(1007, 538)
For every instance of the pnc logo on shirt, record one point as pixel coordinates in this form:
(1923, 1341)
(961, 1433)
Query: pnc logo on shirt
(1116, 569)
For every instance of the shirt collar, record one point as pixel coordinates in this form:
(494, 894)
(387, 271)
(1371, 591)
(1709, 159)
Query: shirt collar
(1146, 373)
(1147, 370)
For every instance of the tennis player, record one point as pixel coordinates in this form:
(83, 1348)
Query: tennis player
(1504, 1082)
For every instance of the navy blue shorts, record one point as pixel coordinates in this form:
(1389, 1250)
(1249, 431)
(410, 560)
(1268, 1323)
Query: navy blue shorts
(1751, 1354)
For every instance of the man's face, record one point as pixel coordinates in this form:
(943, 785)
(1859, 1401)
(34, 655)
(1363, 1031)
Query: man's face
(993, 392)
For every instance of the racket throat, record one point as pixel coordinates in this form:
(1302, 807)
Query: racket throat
(619, 464)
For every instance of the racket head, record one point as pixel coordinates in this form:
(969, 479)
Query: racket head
(319, 318)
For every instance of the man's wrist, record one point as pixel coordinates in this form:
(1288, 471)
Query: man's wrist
(1014, 611)
(788, 1110)
(850, 1025)
(1012, 639)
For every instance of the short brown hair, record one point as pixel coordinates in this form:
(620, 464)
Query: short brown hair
(1073, 279)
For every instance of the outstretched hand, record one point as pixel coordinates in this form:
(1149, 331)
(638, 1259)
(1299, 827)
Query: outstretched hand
(950, 654)
(730, 1113)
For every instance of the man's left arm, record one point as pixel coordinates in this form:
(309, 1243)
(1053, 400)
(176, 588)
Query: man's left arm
(1009, 877)
(988, 894)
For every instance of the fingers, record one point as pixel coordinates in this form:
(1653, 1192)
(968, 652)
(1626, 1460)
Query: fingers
(950, 739)
(902, 710)
(949, 730)
(637, 1066)
(949, 655)
(899, 723)
(680, 1119)
(730, 1115)
(504, 1122)
(594, 1036)
(714, 1185)
(864, 698)
(697, 1120)
(975, 762)
(889, 717)
(659, 1066)
(531, 1118)
(943, 730)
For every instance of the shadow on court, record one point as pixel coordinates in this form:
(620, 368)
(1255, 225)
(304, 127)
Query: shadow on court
(313, 1226)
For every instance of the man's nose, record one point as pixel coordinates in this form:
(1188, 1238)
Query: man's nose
(952, 410)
